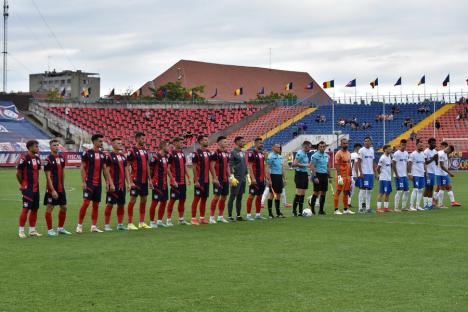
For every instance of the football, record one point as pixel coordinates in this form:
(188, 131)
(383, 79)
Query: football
(307, 212)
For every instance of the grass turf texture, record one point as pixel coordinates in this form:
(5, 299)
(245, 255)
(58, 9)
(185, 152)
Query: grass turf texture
(391, 262)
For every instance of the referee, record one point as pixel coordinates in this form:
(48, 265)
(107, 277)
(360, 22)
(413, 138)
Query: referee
(276, 179)
(320, 175)
(301, 176)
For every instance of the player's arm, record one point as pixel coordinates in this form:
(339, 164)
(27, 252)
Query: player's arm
(129, 174)
(267, 172)
(50, 185)
(443, 168)
(337, 165)
(107, 177)
(394, 169)
(409, 168)
(150, 182)
(359, 166)
(83, 175)
(283, 172)
(213, 172)
(312, 171)
(169, 174)
(127, 178)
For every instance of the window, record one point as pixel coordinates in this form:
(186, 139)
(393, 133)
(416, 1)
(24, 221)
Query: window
(68, 80)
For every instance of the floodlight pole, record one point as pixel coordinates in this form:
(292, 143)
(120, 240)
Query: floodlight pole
(5, 46)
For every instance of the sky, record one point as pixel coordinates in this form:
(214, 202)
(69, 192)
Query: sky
(131, 42)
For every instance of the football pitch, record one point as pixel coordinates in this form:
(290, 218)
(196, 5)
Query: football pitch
(391, 262)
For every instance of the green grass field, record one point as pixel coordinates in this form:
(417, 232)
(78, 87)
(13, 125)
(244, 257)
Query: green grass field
(391, 262)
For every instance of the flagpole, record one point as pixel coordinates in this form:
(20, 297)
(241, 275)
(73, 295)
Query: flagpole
(449, 87)
(333, 112)
(355, 93)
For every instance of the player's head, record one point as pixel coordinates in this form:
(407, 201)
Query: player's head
(222, 142)
(239, 141)
(344, 144)
(177, 142)
(32, 146)
(306, 146)
(164, 147)
(403, 143)
(116, 144)
(54, 146)
(202, 139)
(258, 143)
(449, 149)
(432, 143)
(276, 147)
(140, 138)
(321, 146)
(97, 140)
(357, 146)
(444, 144)
(367, 142)
(387, 149)
(419, 145)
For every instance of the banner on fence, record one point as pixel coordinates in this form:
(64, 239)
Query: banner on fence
(10, 159)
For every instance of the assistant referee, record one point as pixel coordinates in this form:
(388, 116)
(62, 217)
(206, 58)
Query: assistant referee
(276, 179)
(320, 172)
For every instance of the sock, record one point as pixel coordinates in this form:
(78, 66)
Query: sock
(221, 205)
(83, 209)
(425, 201)
(23, 217)
(435, 195)
(203, 207)
(336, 198)
(386, 205)
(169, 212)
(451, 196)
(214, 203)
(130, 212)
(301, 203)
(48, 218)
(270, 206)
(368, 199)
(62, 215)
(196, 199)
(283, 196)
(120, 213)
(142, 211)
(397, 199)
(404, 199)
(419, 194)
(94, 213)
(32, 218)
(441, 197)
(314, 199)
(258, 204)
(351, 193)
(345, 201)
(170, 206)
(413, 197)
(322, 202)
(152, 212)
(265, 195)
(181, 208)
(107, 213)
(249, 204)
(379, 205)
(161, 210)
(277, 207)
(361, 198)
(295, 202)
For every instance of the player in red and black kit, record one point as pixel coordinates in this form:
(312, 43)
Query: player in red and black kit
(28, 177)
(159, 172)
(180, 178)
(118, 184)
(138, 168)
(256, 163)
(219, 167)
(201, 179)
(92, 167)
(55, 192)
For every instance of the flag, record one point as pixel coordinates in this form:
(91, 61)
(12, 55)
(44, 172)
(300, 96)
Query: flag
(215, 94)
(398, 82)
(422, 80)
(467, 82)
(446, 81)
(351, 84)
(329, 84)
(190, 92)
(84, 92)
(374, 83)
(262, 91)
(239, 91)
(310, 86)
(112, 93)
(62, 94)
(164, 92)
(289, 86)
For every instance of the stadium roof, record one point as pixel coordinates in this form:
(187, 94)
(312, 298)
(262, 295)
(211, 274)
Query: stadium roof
(227, 78)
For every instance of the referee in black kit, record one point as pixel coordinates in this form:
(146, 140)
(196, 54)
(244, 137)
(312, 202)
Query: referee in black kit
(320, 172)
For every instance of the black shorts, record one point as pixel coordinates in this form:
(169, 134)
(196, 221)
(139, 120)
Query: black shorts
(202, 191)
(93, 193)
(277, 183)
(257, 189)
(140, 189)
(322, 186)
(301, 179)
(222, 190)
(179, 192)
(160, 194)
(239, 189)
(60, 201)
(30, 199)
(116, 198)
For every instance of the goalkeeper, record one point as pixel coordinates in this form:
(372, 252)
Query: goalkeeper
(343, 177)
(237, 178)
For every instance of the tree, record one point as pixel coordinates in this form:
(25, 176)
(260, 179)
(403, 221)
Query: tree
(174, 91)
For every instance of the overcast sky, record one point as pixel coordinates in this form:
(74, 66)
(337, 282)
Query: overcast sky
(131, 42)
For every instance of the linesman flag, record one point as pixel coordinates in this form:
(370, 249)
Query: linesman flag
(446, 81)
(398, 82)
(239, 91)
(351, 84)
(374, 83)
(329, 84)
(289, 86)
(422, 80)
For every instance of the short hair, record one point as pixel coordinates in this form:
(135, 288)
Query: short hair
(163, 143)
(357, 145)
(116, 139)
(321, 142)
(238, 138)
(220, 138)
(53, 141)
(276, 144)
(31, 143)
(443, 143)
(201, 137)
(385, 146)
(403, 141)
(452, 148)
(96, 137)
(431, 140)
(177, 139)
(139, 135)
(343, 139)
(257, 139)
(306, 143)
(368, 137)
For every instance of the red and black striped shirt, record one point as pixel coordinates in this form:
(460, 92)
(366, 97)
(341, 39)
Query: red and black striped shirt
(117, 163)
(221, 160)
(29, 167)
(138, 159)
(94, 163)
(158, 164)
(55, 165)
(202, 159)
(178, 161)
(257, 160)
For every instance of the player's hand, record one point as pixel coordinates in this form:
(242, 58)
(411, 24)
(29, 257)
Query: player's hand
(188, 182)
(451, 174)
(150, 185)
(316, 181)
(340, 180)
(112, 187)
(174, 184)
(54, 194)
(410, 177)
(233, 181)
(216, 182)
(197, 184)
(132, 185)
(83, 185)
(253, 181)
(128, 187)
(361, 176)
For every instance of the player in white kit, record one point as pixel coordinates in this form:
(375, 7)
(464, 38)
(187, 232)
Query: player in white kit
(354, 174)
(366, 168)
(431, 167)
(400, 168)
(443, 175)
(417, 169)
(384, 168)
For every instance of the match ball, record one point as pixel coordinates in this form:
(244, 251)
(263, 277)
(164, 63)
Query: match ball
(307, 212)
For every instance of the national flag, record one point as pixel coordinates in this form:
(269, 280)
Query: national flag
(262, 91)
(239, 91)
(351, 84)
(467, 82)
(446, 81)
(422, 80)
(215, 94)
(289, 86)
(84, 92)
(374, 83)
(112, 93)
(310, 86)
(398, 82)
(62, 94)
(329, 84)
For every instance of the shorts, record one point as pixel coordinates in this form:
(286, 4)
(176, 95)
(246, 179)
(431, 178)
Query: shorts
(239, 189)
(322, 186)
(179, 192)
(203, 191)
(277, 183)
(222, 190)
(140, 189)
(116, 198)
(93, 193)
(60, 201)
(419, 182)
(160, 194)
(430, 180)
(257, 189)
(346, 184)
(443, 180)
(402, 184)
(301, 179)
(367, 182)
(385, 187)
(30, 199)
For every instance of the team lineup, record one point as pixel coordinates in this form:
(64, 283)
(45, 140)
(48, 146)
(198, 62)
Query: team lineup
(167, 175)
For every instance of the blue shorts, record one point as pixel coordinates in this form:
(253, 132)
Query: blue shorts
(402, 184)
(430, 179)
(443, 180)
(419, 182)
(368, 182)
(358, 182)
(385, 187)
